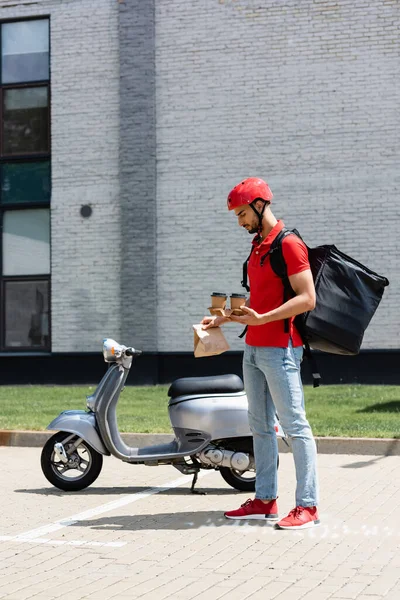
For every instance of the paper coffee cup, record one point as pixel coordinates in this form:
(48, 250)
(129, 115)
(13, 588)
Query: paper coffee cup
(237, 300)
(218, 300)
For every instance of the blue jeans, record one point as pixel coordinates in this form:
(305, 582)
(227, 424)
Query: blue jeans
(273, 385)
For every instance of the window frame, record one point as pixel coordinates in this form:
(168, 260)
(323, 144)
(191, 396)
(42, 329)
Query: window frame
(23, 158)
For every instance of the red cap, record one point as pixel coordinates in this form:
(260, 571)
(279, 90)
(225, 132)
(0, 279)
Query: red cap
(247, 191)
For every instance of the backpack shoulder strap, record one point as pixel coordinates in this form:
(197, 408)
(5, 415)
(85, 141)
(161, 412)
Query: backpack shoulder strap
(277, 260)
(245, 283)
(244, 272)
(278, 265)
(316, 377)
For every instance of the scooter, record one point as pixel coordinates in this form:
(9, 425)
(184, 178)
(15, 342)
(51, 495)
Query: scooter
(208, 416)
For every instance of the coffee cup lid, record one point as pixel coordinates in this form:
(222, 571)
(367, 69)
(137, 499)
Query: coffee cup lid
(238, 295)
(219, 294)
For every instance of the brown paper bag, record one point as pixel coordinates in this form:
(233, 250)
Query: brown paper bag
(209, 342)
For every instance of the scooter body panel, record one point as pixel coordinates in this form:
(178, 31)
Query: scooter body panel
(221, 415)
(81, 423)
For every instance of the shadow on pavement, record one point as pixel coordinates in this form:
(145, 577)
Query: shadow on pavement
(176, 521)
(363, 463)
(115, 491)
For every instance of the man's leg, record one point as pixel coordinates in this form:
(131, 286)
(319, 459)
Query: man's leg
(281, 367)
(261, 421)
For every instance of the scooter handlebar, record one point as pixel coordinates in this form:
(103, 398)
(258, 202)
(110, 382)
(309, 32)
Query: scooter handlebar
(132, 352)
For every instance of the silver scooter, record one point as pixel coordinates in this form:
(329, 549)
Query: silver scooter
(208, 416)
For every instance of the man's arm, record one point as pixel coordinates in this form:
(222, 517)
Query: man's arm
(303, 286)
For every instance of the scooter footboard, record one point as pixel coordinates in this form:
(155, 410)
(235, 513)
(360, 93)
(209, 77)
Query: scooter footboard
(81, 423)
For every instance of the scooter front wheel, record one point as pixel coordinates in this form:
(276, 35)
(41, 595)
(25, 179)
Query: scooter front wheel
(75, 470)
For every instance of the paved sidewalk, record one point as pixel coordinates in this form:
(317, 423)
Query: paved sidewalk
(126, 542)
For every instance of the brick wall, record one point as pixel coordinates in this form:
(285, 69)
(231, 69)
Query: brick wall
(85, 259)
(304, 94)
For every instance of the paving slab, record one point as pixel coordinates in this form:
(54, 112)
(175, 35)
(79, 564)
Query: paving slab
(138, 532)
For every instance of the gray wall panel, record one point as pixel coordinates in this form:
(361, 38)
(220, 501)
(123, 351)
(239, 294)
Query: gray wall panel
(137, 161)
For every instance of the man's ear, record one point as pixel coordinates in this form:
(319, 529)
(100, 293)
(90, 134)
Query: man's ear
(260, 203)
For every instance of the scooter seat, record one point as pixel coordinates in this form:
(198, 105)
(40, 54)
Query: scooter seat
(220, 384)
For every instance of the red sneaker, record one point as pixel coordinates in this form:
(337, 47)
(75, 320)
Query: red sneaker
(255, 509)
(300, 517)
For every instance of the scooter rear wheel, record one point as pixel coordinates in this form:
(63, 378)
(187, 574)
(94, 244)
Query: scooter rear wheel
(237, 480)
(83, 467)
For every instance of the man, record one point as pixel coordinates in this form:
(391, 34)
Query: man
(271, 360)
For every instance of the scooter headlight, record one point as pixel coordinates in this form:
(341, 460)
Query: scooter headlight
(111, 350)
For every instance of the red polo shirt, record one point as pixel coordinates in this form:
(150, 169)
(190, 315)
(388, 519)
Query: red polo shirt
(266, 289)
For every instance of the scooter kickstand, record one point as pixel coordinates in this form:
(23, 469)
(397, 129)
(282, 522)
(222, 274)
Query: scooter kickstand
(193, 491)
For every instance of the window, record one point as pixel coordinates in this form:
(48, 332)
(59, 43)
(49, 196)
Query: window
(25, 185)
(26, 314)
(25, 120)
(25, 51)
(26, 242)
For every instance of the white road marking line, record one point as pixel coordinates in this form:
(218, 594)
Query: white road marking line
(10, 538)
(38, 535)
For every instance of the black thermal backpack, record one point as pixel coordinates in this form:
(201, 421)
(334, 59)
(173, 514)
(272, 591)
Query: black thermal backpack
(347, 296)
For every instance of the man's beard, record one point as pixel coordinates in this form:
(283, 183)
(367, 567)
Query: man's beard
(253, 230)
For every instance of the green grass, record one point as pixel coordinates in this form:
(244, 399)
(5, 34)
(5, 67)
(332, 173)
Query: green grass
(140, 409)
(354, 410)
(337, 410)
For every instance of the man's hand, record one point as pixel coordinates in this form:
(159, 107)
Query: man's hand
(209, 322)
(250, 318)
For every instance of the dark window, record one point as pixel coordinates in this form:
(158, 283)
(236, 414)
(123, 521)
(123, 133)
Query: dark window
(25, 120)
(25, 185)
(26, 314)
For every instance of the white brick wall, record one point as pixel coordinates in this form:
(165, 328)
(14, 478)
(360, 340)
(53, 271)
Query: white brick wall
(85, 136)
(304, 94)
